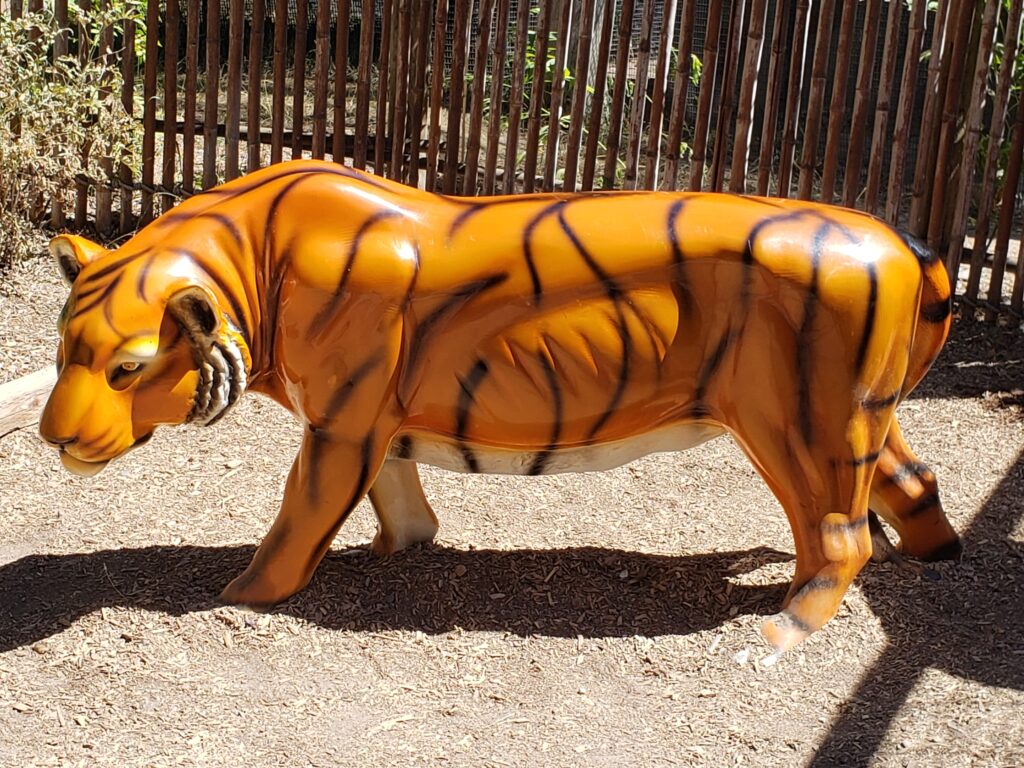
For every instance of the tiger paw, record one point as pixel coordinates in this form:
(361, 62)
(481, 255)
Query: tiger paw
(253, 590)
(784, 631)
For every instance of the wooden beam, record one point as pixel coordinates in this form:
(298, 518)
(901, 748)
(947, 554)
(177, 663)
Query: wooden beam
(21, 400)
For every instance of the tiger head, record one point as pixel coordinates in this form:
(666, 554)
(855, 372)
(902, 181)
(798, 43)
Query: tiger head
(143, 342)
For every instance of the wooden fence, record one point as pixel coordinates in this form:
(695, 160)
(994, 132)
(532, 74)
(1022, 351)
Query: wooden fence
(881, 105)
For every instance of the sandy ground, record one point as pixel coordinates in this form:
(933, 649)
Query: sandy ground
(592, 620)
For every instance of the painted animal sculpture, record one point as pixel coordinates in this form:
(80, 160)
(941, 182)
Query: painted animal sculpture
(528, 335)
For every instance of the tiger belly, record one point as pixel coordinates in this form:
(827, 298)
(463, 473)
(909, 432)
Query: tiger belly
(446, 453)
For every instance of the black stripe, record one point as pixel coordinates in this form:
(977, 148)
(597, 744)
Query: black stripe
(528, 249)
(175, 217)
(341, 395)
(624, 370)
(925, 255)
(541, 460)
(403, 447)
(906, 471)
(879, 403)
(328, 310)
(805, 338)
(796, 621)
(925, 504)
(140, 282)
(819, 583)
(407, 299)
(114, 266)
(937, 311)
(453, 303)
(709, 368)
(869, 319)
(860, 461)
(357, 493)
(467, 398)
(236, 306)
(101, 298)
(680, 284)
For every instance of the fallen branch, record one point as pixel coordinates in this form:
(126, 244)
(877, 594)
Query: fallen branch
(21, 400)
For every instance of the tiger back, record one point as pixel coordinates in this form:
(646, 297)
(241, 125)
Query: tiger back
(527, 335)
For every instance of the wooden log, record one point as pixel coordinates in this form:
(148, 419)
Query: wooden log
(340, 80)
(707, 90)
(188, 136)
(654, 133)
(483, 38)
(816, 100)
(540, 58)
(725, 118)
(22, 399)
(988, 183)
(557, 91)
(611, 158)
(795, 86)
(837, 106)
(383, 86)
(637, 108)
(128, 65)
(255, 86)
(396, 169)
(515, 107)
(769, 124)
(904, 113)
(861, 104)
(436, 87)
(881, 137)
(745, 115)
(597, 99)
(497, 83)
(212, 93)
(277, 106)
(299, 75)
(236, 36)
(680, 90)
(456, 95)
(321, 65)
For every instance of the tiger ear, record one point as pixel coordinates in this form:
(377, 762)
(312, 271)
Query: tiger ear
(73, 253)
(196, 311)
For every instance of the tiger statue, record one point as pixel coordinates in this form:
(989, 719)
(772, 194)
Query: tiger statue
(529, 335)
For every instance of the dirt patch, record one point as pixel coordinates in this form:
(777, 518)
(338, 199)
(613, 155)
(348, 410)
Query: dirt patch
(579, 620)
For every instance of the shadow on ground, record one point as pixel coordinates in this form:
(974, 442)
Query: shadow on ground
(585, 591)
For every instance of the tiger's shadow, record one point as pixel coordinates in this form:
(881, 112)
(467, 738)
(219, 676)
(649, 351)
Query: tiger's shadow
(588, 591)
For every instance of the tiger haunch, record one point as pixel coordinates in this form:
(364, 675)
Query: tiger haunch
(530, 334)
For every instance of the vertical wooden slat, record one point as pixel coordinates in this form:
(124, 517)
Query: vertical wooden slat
(60, 48)
(772, 98)
(680, 91)
(972, 139)
(340, 81)
(366, 24)
(396, 169)
(654, 134)
(515, 108)
(456, 95)
(277, 107)
(383, 83)
(745, 116)
(950, 123)
(193, 10)
(210, 116)
(483, 37)
(104, 193)
(299, 77)
(995, 144)
(540, 57)
(496, 96)
(236, 39)
(172, 22)
(727, 106)
(797, 68)
(938, 73)
(837, 106)
(81, 187)
(128, 65)
(149, 111)
(886, 77)
(707, 91)
(417, 101)
(1007, 209)
(557, 92)
(321, 65)
(816, 99)
(861, 104)
(597, 100)
(611, 158)
(903, 113)
(252, 117)
(638, 107)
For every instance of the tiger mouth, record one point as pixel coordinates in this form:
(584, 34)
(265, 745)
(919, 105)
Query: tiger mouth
(89, 468)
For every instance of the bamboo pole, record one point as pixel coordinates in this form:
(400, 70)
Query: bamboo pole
(210, 117)
(58, 218)
(745, 117)
(436, 84)
(299, 76)
(637, 108)
(861, 104)
(236, 39)
(321, 65)
(496, 110)
(540, 58)
(597, 100)
(515, 110)
(366, 23)
(797, 68)
(81, 187)
(654, 132)
(611, 158)
(338, 122)
(680, 91)
(417, 102)
(881, 137)
(399, 134)
(988, 183)
(149, 111)
(277, 107)
(769, 123)
(707, 90)
(383, 85)
(456, 96)
(724, 121)
(483, 38)
(837, 106)
(904, 115)
(972, 139)
(170, 41)
(1006, 213)
(128, 67)
(816, 100)
(188, 133)
(104, 193)
(557, 92)
(252, 117)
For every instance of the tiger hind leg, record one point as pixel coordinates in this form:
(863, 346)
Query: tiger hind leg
(905, 494)
(404, 516)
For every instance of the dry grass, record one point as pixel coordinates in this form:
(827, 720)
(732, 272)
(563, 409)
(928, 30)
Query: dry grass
(594, 620)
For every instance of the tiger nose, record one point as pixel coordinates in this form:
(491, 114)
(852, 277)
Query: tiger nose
(57, 442)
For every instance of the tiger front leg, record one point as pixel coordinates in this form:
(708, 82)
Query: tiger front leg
(329, 478)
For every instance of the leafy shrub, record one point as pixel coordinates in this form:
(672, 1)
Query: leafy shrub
(60, 117)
